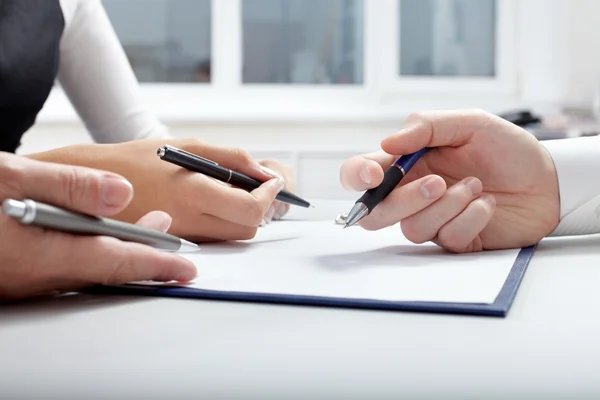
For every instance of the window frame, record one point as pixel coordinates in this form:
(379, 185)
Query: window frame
(388, 36)
(383, 95)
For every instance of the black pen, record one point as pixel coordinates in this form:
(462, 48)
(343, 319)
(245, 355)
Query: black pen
(210, 168)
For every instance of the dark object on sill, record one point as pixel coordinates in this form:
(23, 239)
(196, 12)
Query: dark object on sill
(521, 118)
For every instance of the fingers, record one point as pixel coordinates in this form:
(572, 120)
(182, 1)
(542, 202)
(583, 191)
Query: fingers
(77, 188)
(278, 209)
(425, 225)
(209, 228)
(436, 128)
(239, 206)
(123, 262)
(462, 233)
(60, 261)
(405, 201)
(159, 220)
(365, 171)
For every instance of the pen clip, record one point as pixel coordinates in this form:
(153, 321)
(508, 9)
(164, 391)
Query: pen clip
(189, 154)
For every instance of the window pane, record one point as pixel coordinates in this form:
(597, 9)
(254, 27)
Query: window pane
(447, 37)
(165, 40)
(303, 41)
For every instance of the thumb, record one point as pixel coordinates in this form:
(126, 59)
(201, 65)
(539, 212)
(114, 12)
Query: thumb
(76, 188)
(266, 193)
(436, 128)
(159, 220)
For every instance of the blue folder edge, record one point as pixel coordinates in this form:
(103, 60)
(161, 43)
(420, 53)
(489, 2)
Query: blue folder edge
(499, 308)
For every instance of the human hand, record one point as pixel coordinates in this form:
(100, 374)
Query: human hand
(484, 184)
(203, 209)
(35, 261)
(278, 209)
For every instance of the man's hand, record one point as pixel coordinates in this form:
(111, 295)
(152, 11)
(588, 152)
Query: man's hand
(485, 183)
(35, 261)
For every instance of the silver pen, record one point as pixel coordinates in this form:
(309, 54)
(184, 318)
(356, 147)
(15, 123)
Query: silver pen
(47, 216)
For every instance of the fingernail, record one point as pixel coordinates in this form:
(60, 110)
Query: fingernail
(474, 185)
(269, 214)
(365, 175)
(278, 184)
(115, 191)
(165, 223)
(280, 211)
(433, 188)
(186, 274)
(270, 172)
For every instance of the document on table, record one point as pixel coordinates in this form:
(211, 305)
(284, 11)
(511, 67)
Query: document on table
(319, 258)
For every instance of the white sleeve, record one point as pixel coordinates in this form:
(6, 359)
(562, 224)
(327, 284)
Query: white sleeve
(577, 162)
(98, 79)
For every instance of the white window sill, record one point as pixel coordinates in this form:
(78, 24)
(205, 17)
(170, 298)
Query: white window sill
(182, 105)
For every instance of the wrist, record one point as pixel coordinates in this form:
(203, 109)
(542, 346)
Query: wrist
(577, 164)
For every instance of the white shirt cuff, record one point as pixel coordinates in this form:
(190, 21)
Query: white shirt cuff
(577, 162)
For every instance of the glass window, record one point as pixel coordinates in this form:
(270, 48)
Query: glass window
(165, 40)
(447, 37)
(302, 41)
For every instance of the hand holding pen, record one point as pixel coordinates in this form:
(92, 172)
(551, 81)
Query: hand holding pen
(54, 244)
(484, 183)
(391, 178)
(196, 163)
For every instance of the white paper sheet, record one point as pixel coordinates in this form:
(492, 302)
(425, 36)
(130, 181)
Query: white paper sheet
(319, 258)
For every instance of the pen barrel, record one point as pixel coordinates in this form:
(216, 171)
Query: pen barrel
(196, 164)
(407, 161)
(209, 168)
(56, 218)
(392, 176)
(249, 184)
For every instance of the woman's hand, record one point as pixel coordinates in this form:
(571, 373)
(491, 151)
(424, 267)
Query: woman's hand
(203, 209)
(274, 168)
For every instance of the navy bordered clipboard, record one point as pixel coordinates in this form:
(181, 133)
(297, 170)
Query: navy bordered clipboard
(499, 308)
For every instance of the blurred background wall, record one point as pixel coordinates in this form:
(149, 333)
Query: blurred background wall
(311, 82)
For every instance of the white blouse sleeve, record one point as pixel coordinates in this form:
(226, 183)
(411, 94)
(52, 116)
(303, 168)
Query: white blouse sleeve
(96, 76)
(577, 162)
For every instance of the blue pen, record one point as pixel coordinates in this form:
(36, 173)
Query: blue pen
(392, 177)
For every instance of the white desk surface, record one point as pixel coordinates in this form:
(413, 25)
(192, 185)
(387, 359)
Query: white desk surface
(88, 347)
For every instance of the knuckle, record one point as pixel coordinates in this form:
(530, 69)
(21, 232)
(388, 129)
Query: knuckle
(254, 212)
(241, 155)
(451, 240)
(73, 183)
(119, 272)
(417, 116)
(478, 114)
(477, 111)
(411, 231)
(12, 173)
(247, 233)
(193, 143)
